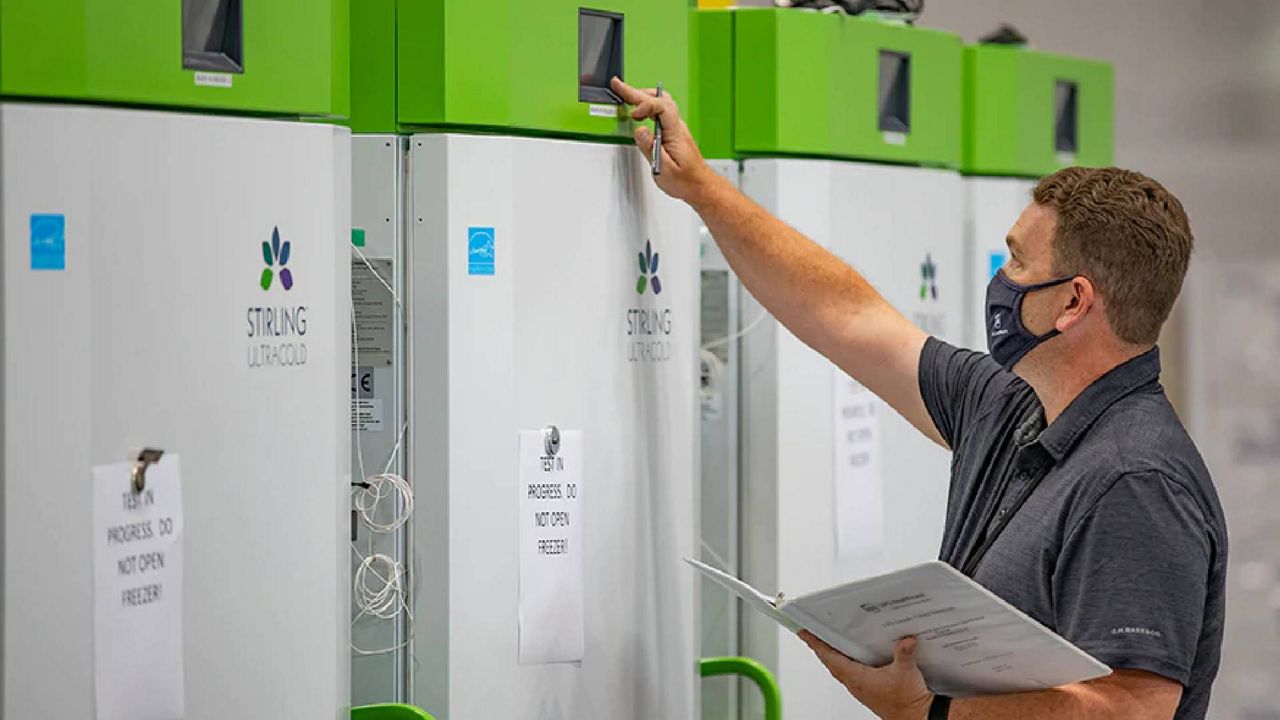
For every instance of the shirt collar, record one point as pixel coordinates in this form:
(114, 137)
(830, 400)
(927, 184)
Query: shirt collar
(1088, 406)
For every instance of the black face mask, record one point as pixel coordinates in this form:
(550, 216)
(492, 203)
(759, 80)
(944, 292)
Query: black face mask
(1008, 340)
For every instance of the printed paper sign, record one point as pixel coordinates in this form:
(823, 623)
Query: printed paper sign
(552, 628)
(137, 593)
(859, 482)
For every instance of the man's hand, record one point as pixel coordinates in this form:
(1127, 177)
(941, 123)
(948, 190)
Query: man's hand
(893, 692)
(684, 173)
(897, 692)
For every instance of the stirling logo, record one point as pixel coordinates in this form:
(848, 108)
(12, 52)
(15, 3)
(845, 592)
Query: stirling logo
(648, 271)
(274, 253)
(928, 278)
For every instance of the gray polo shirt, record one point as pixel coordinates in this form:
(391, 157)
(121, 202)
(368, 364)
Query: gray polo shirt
(1113, 535)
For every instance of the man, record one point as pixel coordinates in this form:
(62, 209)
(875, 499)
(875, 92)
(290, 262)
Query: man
(1076, 495)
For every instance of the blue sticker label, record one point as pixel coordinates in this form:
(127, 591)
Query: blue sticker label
(480, 252)
(48, 242)
(997, 262)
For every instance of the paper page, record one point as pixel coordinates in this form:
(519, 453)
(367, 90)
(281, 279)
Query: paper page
(859, 482)
(749, 595)
(552, 628)
(137, 593)
(971, 642)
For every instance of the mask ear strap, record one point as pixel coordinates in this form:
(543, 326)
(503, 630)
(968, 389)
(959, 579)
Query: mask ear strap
(1017, 310)
(1052, 283)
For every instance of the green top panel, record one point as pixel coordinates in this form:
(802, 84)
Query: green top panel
(1029, 113)
(793, 82)
(505, 66)
(289, 57)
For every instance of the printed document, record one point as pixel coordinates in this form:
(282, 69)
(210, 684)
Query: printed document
(970, 641)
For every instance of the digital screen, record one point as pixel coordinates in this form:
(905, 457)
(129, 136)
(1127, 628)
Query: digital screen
(599, 54)
(895, 92)
(1065, 111)
(212, 35)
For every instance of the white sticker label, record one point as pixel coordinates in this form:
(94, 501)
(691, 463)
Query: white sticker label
(210, 79)
(859, 482)
(606, 111)
(894, 138)
(1066, 158)
(137, 593)
(552, 628)
(366, 415)
(374, 309)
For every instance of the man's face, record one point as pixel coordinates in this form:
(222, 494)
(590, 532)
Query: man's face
(1030, 261)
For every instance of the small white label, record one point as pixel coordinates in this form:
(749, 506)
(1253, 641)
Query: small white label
(606, 111)
(209, 79)
(366, 415)
(1066, 158)
(137, 593)
(894, 138)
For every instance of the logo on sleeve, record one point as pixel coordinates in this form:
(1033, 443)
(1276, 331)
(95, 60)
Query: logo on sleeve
(1136, 631)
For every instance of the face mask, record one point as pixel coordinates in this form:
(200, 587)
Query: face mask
(1007, 339)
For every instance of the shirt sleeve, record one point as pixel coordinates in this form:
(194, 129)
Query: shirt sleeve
(1133, 575)
(955, 385)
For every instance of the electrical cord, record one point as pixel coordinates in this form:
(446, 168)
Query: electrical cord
(379, 581)
(385, 601)
(739, 334)
(368, 499)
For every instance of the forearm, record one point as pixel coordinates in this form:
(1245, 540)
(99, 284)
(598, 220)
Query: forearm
(1055, 703)
(820, 299)
(1144, 699)
(810, 290)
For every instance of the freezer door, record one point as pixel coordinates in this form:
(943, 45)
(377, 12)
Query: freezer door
(552, 284)
(201, 307)
(837, 486)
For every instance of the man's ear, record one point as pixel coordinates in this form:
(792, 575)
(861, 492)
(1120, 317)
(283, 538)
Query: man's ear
(1081, 299)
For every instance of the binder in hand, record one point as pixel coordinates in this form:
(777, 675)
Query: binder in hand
(970, 642)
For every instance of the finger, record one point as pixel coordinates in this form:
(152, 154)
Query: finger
(630, 95)
(832, 658)
(659, 108)
(646, 109)
(905, 652)
(644, 140)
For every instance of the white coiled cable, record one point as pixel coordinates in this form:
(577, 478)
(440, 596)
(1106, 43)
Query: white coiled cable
(380, 598)
(376, 489)
(379, 582)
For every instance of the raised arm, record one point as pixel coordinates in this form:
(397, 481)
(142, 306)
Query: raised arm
(820, 299)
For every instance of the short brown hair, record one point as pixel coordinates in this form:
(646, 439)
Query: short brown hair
(1128, 235)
